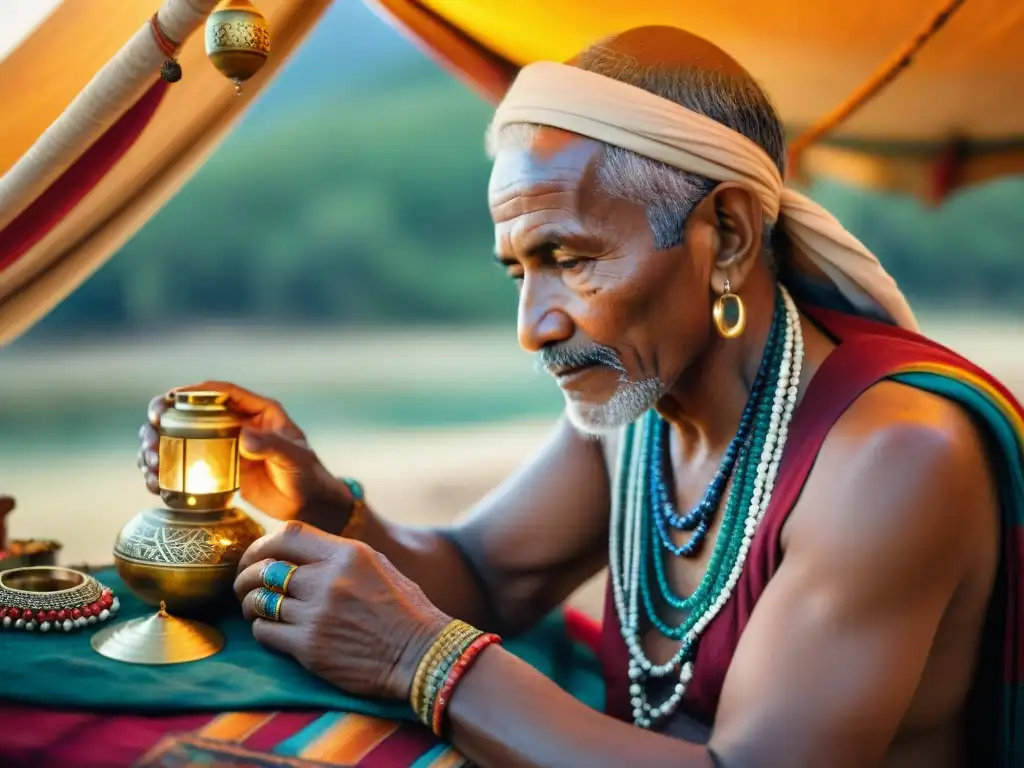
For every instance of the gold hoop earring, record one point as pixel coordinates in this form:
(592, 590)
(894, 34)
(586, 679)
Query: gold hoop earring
(725, 330)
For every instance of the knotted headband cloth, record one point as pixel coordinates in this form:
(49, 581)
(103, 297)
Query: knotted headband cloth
(592, 105)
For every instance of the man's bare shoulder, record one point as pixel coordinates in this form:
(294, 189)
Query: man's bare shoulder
(923, 430)
(904, 463)
(874, 618)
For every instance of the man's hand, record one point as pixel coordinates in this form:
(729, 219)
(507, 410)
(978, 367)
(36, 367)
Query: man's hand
(350, 617)
(280, 474)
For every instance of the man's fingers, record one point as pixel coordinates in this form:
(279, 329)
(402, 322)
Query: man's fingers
(156, 408)
(148, 436)
(148, 462)
(295, 543)
(282, 637)
(248, 579)
(302, 585)
(290, 608)
(270, 445)
(242, 401)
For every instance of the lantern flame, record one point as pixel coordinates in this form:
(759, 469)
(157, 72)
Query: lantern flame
(199, 478)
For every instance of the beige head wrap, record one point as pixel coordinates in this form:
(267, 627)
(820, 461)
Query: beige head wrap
(566, 97)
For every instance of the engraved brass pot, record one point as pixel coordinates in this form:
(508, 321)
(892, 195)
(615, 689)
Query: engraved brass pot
(187, 559)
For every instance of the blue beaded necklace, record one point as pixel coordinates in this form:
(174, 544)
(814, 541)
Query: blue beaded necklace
(637, 557)
(699, 518)
(730, 536)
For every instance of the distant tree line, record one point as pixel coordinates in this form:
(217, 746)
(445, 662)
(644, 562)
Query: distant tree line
(374, 213)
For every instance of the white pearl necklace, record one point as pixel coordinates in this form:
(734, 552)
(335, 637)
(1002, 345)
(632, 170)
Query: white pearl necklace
(626, 524)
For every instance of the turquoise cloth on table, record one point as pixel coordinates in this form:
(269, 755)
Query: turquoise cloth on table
(63, 671)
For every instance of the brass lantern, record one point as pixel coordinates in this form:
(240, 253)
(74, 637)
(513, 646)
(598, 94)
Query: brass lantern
(184, 558)
(198, 453)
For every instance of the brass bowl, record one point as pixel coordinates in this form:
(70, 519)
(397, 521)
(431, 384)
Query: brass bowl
(28, 552)
(187, 560)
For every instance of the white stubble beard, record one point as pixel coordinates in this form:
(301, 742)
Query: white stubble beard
(630, 401)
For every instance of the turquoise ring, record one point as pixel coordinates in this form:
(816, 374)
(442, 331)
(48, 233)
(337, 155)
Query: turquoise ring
(267, 604)
(276, 575)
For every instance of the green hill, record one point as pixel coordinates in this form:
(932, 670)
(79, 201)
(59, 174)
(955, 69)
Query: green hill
(369, 209)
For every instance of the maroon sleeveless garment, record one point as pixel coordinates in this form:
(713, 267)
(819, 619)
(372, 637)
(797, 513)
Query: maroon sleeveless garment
(866, 353)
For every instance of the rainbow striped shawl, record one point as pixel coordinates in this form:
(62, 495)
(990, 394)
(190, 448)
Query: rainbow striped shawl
(996, 716)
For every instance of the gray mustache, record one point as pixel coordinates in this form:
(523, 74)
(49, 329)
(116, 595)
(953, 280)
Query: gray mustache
(559, 358)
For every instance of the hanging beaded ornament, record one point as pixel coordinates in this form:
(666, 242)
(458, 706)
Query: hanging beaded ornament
(170, 72)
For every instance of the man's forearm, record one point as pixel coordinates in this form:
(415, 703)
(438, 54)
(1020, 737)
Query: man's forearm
(505, 713)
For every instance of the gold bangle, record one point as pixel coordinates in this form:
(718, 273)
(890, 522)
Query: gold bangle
(438, 673)
(357, 515)
(438, 648)
(453, 638)
(356, 521)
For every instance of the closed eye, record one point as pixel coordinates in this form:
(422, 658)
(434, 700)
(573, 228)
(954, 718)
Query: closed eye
(549, 254)
(509, 266)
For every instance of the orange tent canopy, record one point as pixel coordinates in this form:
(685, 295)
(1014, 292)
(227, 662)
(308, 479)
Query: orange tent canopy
(958, 99)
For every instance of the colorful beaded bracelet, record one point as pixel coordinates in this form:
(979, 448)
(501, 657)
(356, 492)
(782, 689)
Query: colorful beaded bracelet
(445, 651)
(442, 666)
(51, 598)
(464, 662)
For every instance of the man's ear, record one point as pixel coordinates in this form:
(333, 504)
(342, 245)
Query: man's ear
(739, 223)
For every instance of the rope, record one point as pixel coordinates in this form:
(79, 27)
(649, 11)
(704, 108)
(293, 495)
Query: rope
(874, 85)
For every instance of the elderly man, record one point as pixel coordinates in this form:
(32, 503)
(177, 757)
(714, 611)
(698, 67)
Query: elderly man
(803, 539)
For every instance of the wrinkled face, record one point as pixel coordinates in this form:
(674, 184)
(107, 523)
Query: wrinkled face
(614, 319)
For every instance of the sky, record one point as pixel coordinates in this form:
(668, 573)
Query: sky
(19, 17)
